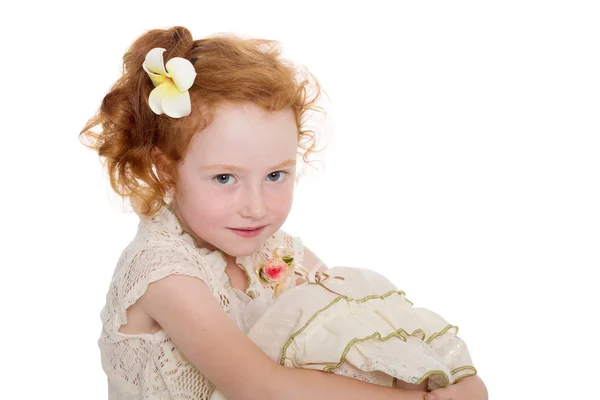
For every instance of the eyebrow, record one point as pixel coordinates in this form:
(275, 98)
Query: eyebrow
(225, 167)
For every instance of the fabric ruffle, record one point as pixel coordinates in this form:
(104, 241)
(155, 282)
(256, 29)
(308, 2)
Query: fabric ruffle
(368, 330)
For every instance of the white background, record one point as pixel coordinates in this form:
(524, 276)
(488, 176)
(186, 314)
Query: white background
(463, 162)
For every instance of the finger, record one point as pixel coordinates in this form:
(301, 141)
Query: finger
(440, 394)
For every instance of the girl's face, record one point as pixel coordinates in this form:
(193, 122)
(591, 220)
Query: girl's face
(238, 175)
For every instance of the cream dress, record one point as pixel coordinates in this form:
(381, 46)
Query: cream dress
(362, 327)
(148, 366)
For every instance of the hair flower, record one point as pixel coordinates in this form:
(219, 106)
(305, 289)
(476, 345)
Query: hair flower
(172, 82)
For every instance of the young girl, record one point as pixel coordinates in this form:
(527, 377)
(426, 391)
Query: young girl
(203, 136)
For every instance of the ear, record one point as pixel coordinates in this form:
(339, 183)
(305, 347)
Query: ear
(161, 166)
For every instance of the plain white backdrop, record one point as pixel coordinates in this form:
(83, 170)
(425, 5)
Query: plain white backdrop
(462, 162)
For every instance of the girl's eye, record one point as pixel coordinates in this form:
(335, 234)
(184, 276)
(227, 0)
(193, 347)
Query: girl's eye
(276, 176)
(224, 179)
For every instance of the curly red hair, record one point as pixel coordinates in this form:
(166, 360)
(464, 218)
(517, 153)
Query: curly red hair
(141, 149)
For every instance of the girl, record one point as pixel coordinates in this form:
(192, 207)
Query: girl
(205, 147)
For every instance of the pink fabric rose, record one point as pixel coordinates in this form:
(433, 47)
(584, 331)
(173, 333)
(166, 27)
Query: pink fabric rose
(274, 271)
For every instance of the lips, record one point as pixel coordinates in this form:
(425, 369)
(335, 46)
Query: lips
(248, 231)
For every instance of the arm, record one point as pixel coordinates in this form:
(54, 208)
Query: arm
(472, 388)
(187, 311)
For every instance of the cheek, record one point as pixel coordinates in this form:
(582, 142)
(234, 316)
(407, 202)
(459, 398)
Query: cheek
(206, 215)
(281, 200)
(209, 211)
(202, 203)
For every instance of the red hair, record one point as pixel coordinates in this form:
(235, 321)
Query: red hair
(141, 149)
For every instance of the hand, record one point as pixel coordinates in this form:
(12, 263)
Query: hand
(447, 393)
(468, 388)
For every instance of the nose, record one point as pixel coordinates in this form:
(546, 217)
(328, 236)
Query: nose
(253, 204)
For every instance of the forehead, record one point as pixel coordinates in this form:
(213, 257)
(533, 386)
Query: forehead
(241, 133)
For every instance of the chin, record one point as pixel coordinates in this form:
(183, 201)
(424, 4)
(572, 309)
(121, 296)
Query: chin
(241, 248)
(241, 251)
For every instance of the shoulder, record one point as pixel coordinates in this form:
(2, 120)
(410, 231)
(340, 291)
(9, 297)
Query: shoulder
(156, 255)
(148, 259)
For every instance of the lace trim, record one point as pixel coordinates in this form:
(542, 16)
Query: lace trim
(443, 374)
(440, 333)
(465, 368)
(248, 279)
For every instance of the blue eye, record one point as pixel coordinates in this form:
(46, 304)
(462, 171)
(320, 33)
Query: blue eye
(276, 176)
(224, 179)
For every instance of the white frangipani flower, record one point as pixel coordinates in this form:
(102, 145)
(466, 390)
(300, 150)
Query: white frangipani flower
(172, 82)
